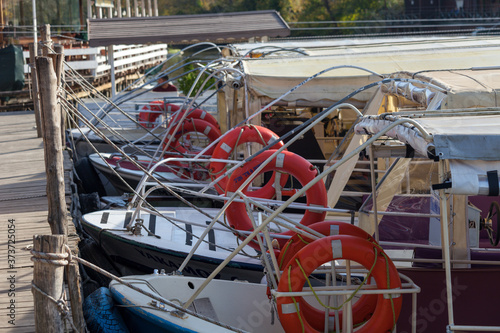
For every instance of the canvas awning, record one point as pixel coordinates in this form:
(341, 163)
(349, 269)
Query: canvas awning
(269, 78)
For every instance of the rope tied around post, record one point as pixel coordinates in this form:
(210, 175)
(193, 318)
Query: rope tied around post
(58, 259)
(61, 303)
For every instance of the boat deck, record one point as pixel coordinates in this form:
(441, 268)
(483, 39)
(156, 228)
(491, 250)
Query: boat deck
(23, 213)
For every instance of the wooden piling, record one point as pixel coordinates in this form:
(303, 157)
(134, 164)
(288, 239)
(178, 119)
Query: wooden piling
(49, 279)
(46, 40)
(50, 77)
(47, 82)
(58, 62)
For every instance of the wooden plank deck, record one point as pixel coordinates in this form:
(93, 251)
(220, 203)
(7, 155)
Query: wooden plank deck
(23, 213)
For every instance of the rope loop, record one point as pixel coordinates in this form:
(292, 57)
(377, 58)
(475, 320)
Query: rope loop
(57, 259)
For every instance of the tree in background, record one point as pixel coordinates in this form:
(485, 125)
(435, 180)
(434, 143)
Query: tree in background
(170, 7)
(293, 10)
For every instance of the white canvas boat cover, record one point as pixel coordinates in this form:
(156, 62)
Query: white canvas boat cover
(269, 78)
(465, 88)
(453, 137)
(470, 143)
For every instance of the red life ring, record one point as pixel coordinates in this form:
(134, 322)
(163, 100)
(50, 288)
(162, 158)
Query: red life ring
(326, 249)
(190, 125)
(153, 110)
(235, 137)
(326, 228)
(197, 114)
(290, 163)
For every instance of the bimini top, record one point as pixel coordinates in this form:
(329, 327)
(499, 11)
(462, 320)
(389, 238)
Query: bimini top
(270, 77)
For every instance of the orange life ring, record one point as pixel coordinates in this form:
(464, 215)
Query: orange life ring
(195, 113)
(285, 161)
(235, 137)
(326, 228)
(365, 305)
(324, 250)
(190, 125)
(153, 110)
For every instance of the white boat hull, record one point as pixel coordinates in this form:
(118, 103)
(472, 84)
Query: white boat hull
(238, 304)
(144, 253)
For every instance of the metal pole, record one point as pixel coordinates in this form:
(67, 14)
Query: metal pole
(35, 37)
(446, 242)
(111, 62)
(374, 191)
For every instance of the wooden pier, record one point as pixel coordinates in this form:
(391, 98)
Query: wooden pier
(23, 213)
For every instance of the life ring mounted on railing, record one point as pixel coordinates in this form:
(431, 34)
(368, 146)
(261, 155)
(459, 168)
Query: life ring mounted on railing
(196, 114)
(226, 146)
(178, 147)
(363, 308)
(150, 113)
(326, 228)
(296, 316)
(285, 162)
(188, 126)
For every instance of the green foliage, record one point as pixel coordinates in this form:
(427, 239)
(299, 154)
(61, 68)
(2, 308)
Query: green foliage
(186, 81)
(293, 10)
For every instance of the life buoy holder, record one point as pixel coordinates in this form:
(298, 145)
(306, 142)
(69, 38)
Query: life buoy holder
(285, 162)
(194, 113)
(153, 110)
(190, 125)
(234, 138)
(296, 317)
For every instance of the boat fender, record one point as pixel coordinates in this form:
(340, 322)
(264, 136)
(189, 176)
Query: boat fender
(291, 163)
(101, 313)
(239, 136)
(296, 316)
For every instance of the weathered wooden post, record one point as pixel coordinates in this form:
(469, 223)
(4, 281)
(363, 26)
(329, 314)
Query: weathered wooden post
(58, 62)
(34, 89)
(46, 40)
(47, 82)
(47, 282)
(54, 166)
